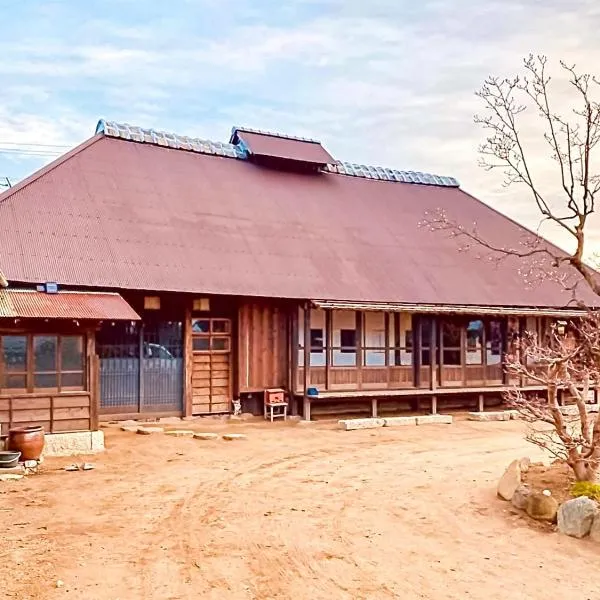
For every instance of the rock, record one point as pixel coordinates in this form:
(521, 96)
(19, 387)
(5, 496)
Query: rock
(510, 481)
(399, 421)
(489, 416)
(87, 467)
(524, 464)
(72, 468)
(434, 419)
(575, 517)
(354, 424)
(180, 433)
(30, 464)
(595, 529)
(10, 477)
(519, 499)
(513, 414)
(149, 430)
(131, 428)
(541, 507)
(205, 436)
(60, 583)
(230, 437)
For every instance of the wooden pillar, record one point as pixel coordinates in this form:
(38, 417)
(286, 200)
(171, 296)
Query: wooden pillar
(463, 354)
(481, 403)
(294, 347)
(504, 349)
(93, 383)
(141, 368)
(417, 349)
(328, 344)
(188, 362)
(388, 350)
(522, 325)
(307, 349)
(433, 353)
(434, 405)
(359, 347)
(374, 407)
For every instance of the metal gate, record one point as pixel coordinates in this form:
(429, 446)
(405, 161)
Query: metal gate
(141, 367)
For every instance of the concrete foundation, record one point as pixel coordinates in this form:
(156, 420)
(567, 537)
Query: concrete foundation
(399, 421)
(352, 424)
(70, 444)
(434, 419)
(490, 416)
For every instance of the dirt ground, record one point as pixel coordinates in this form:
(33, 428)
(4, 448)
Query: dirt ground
(293, 512)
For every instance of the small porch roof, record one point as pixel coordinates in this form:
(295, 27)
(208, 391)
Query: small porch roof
(31, 304)
(450, 309)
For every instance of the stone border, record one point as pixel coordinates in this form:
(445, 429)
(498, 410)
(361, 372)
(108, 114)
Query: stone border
(372, 423)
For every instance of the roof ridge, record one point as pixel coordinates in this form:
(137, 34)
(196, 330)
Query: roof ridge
(229, 150)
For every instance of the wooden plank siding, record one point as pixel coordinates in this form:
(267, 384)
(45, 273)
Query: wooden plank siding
(262, 346)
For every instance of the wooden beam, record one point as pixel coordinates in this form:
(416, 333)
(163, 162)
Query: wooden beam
(293, 349)
(188, 360)
(307, 349)
(463, 353)
(386, 343)
(434, 405)
(481, 403)
(94, 379)
(504, 349)
(522, 325)
(417, 350)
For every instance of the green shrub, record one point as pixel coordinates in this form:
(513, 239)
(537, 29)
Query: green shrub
(586, 488)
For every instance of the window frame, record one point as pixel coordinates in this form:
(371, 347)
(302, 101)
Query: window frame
(214, 333)
(31, 372)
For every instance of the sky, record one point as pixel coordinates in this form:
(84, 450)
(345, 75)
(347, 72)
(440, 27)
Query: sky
(381, 82)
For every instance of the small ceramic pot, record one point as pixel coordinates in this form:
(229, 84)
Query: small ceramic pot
(29, 441)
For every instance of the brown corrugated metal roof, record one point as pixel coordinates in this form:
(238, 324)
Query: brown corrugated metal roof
(287, 148)
(64, 305)
(129, 215)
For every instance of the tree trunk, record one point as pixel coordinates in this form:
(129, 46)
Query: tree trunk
(585, 469)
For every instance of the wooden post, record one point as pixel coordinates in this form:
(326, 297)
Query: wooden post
(141, 368)
(374, 407)
(328, 344)
(386, 343)
(504, 349)
(463, 354)
(294, 347)
(93, 379)
(522, 325)
(188, 363)
(306, 361)
(359, 347)
(434, 405)
(417, 349)
(432, 353)
(481, 404)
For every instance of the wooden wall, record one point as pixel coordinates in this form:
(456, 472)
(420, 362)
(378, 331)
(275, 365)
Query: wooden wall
(69, 411)
(262, 345)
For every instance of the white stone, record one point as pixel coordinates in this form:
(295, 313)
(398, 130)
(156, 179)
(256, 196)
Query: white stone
(489, 416)
(30, 464)
(149, 430)
(130, 428)
(525, 463)
(595, 529)
(180, 433)
(230, 437)
(205, 436)
(399, 421)
(10, 477)
(353, 424)
(510, 481)
(434, 419)
(87, 467)
(575, 517)
(70, 444)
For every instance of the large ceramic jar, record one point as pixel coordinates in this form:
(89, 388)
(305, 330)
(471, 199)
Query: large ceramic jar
(29, 441)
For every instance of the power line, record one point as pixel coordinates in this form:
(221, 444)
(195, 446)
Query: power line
(23, 144)
(31, 152)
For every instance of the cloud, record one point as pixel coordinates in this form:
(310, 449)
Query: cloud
(380, 82)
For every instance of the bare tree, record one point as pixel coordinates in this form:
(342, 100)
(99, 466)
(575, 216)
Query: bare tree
(572, 138)
(569, 363)
(572, 141)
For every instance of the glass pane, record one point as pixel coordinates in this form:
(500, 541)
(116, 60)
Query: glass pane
(343, 358)
(15, 382)
(451, 335)
(44, 352)
(201, 343)
(200, 326)
(72, 353)
(475, 342)
(45, 380)
(14, 353)
(451, 357)
(374, 358)
(348, 340)
(220, 343)
(220, 326)
(374, 330)
(400, 356)
(71, 380)
(316, 340)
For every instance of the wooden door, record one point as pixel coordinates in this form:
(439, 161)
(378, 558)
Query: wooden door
(211, 370)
